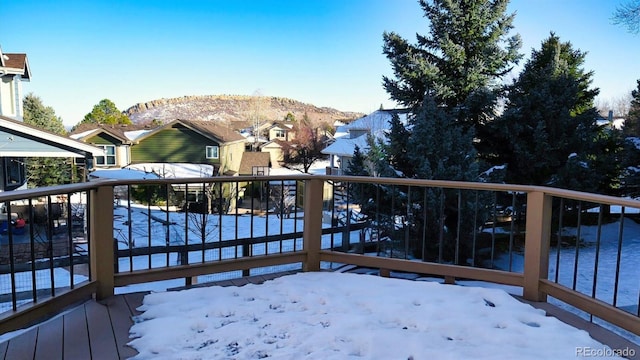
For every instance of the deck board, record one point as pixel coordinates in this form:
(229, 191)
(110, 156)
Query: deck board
(101, 338)
(22, 346)
(49, 342)
(120, 315)
(76, 335)
(3, 349)
(134, 300)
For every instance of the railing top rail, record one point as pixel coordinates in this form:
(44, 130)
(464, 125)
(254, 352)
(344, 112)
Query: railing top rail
(52, 190)
(463, 185)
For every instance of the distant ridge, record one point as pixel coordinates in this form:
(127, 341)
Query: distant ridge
(241, 109)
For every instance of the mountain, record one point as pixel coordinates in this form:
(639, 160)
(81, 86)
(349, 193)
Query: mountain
(238, 109)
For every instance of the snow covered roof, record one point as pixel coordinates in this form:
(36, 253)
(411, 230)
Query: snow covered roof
(121, 174)
(377, 120)
(376, 124)
(346, 146)
(155, 171)
(133, 135)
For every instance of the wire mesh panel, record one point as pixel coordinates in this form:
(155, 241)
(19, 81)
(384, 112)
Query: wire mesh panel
(594, 251)
(44, 248)
(175, 224)
(480, 228)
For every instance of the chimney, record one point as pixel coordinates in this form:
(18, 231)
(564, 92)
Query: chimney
(610, 118)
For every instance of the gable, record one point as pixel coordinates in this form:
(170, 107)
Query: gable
(173, 144)
(253, 159)
(102, 138)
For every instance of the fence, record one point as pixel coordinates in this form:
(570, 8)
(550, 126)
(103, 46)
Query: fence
(84, 239)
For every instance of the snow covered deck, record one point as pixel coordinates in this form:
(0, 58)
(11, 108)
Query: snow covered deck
(101, 329)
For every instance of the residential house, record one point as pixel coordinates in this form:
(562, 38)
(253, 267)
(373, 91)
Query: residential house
(275, 149)
(179, 141)
(19, 140)
(280, 130)
(113, 139)
(355, 134)
(14, 69)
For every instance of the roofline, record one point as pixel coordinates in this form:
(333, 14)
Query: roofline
(176, 121)
(26, 71)
(62, 142)
(99, 129)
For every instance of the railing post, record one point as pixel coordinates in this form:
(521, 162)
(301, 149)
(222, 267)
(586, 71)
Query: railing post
(536, 249)
(101, 240)
(312, 233)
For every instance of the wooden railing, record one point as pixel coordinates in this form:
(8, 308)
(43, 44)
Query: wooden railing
(104, 274)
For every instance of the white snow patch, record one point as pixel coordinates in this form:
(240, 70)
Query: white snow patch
(323, 315)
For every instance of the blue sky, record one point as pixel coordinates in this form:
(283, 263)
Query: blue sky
(324, 52)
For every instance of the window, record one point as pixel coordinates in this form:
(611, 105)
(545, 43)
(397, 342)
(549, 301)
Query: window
(14, 173)
(280, 134)
(212, 152)
(109, 159)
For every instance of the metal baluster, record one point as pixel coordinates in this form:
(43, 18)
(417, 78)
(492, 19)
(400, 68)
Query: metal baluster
(559, 241)
(578, 236)
(618, 257)
(595, 265)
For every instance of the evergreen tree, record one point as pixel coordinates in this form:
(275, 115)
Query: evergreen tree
(632, 121)
(106, 112)
(356, 165)
(467, 50)
(396, 147)
(41, 116)
(547, 134)
(47, 171)
(439, 149)
(442, 150)
(631, 169)
(630, 182)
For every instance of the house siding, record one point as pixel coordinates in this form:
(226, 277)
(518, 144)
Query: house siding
(174, 145)
(7, 97)
(104, 139)
(232, 155)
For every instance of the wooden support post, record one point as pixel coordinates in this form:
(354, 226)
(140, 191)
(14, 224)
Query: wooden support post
(101, 242)
(536, 249)
(312, 233)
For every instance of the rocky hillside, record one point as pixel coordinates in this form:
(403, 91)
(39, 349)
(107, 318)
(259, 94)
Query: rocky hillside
(231, 108)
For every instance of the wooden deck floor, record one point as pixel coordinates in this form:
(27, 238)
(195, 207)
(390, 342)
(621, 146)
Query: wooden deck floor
(100, 330)
(93, 330)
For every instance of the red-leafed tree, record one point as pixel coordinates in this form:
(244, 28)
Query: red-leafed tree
(306, 147)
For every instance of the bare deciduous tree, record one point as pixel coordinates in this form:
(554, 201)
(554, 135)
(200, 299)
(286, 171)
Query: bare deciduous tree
(628, 15)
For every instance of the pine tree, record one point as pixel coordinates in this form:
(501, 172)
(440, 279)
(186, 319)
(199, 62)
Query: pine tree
(547, 134)
(631, 169)
(45, 171)
(396, 148)
(106, 112)
(467, 50)
(40, 116)
(632, 121)
(440, 149)
(356, 165)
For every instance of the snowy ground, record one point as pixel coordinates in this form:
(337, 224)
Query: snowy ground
(348, 316)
